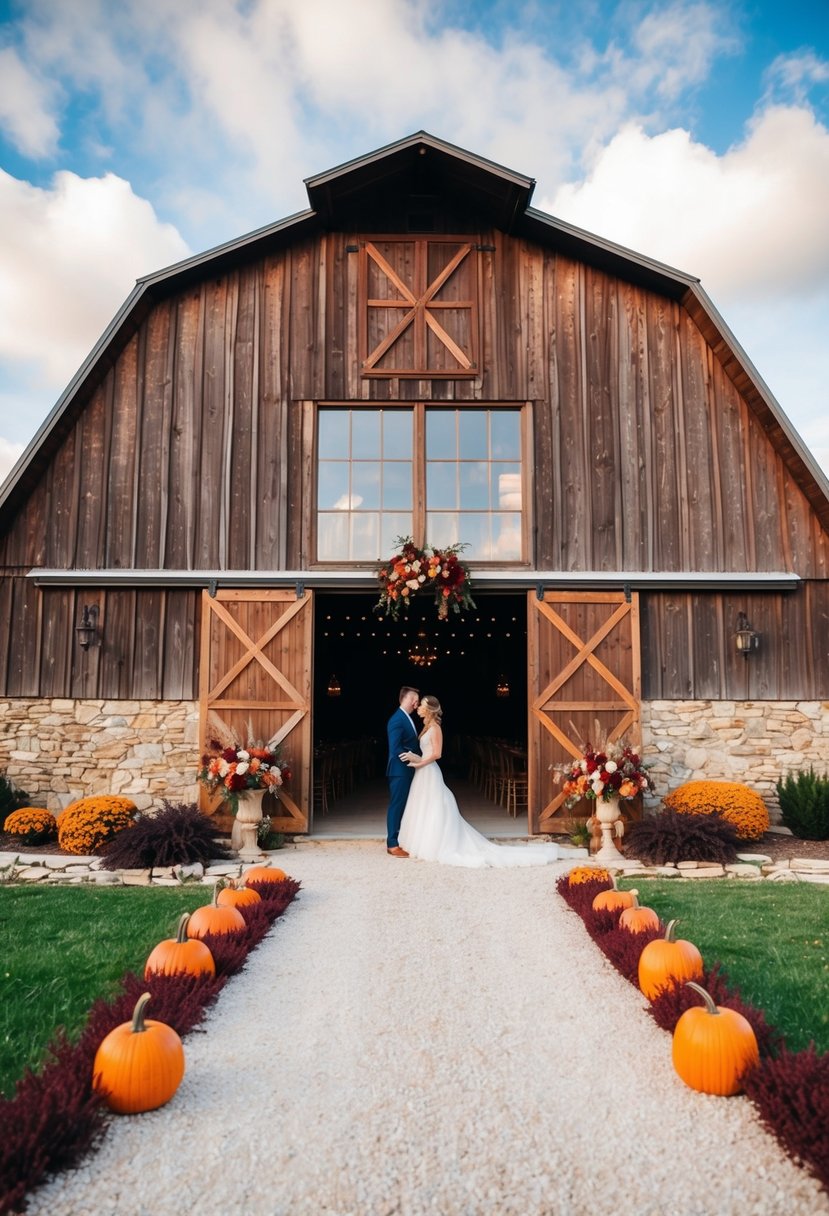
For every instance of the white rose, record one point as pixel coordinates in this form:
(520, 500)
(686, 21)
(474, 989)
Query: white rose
(224, 768)
(597, 787)
(243, 755)
(610, 766)
(412, 583)
(242, 768)
(393, 576)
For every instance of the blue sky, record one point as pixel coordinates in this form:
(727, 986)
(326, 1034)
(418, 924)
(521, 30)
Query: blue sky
(132, 135)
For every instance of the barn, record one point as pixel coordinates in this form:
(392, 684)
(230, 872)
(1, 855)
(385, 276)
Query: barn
(195, 531)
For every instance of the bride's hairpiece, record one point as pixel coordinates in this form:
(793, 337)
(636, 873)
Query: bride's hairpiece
(433, 706)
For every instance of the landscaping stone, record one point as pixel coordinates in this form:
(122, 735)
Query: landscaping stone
(810, 863)
(759, 859)
(704, 872)
(743, 870)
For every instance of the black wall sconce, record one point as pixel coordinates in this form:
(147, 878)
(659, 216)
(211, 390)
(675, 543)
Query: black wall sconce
(334, 687)
(747, 639)
(502, 687)
(87, 631)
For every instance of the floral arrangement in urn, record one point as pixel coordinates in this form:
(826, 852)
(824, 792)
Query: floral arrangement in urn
(411, 570)
(234, 769)
(614, 772)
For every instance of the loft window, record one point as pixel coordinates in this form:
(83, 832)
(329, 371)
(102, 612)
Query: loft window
(442, 474)
(418, 307)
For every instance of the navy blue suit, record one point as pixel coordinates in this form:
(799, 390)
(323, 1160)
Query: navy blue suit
(402, 738)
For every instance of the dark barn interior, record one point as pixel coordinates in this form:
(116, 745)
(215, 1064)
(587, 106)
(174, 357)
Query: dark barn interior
(474, 662)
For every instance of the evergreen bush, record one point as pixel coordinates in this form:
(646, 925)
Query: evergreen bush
(11, 798)
(804, 804)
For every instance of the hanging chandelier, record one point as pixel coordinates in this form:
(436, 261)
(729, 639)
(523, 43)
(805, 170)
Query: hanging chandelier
(422, 652)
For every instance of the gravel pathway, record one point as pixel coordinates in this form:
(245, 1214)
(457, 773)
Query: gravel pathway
(417, 1039)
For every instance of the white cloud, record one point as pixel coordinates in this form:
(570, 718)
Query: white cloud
(69, 256)
(26, 107)
(9, 453)
(752, 220)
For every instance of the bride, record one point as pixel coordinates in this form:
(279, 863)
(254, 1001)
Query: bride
(433, 828)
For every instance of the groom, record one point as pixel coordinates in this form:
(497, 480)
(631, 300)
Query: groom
(402, 738)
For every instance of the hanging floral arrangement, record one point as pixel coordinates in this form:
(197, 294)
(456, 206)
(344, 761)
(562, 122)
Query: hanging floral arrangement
(410, 570)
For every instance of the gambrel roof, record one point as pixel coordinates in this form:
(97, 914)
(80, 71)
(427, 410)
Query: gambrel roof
(423, 168)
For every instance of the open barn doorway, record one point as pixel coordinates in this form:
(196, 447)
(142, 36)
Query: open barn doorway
(475, 662)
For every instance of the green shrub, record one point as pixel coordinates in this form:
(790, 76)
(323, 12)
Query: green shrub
(804, 804)
(673, 836)
(11, 798)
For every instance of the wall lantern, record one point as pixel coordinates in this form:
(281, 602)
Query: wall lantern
(334, 689)
(746, 638)
(422, 652)
(87, 631)
(502, 687)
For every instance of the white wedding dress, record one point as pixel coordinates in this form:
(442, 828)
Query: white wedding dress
(434, 830)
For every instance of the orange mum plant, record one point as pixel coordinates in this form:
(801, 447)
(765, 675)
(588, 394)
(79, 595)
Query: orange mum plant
(734, 802)
(33, 824)
(90, 822)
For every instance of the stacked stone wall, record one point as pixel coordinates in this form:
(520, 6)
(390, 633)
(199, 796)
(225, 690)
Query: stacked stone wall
(59, 750)
(755, 742)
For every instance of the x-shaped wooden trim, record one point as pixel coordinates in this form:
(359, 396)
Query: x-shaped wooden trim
(421, 308)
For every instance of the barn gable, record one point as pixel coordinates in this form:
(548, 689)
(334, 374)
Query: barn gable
(202, 468)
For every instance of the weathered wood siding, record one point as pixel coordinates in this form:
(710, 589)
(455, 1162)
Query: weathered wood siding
(194, 451)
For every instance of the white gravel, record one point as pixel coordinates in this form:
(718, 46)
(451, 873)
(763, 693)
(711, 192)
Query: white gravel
(412, 1039)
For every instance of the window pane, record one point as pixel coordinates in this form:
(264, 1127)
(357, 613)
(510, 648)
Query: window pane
(475, 531)
(365, 434)
(333, 433)
(392, 526)
(332, 485)
(440, 435)
(365, 537)
(505, 428)
(474, 486)
(365, 484)
(397, 484)
(441, 490)
(506, 487)
(506, 541)
(442, 528)
(472, 430)
(332, 536)
(397, 434)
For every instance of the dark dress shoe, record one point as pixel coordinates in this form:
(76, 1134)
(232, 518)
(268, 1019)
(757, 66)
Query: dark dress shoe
(397, 852)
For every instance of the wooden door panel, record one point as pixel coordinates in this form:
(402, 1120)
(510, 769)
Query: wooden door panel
(584, 669)
(255, 680)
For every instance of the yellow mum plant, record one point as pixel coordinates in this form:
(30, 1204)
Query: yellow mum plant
(90, 822)
(587, 874)
(735, 802)
(33, 824)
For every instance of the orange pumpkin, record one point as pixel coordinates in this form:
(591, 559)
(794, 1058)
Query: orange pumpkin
(213, 919)
(234, 896)
(264, 874)
(612, 900)
(713, 1047)
(637, 919)
(180, 955)
(667, 963)
(139, 1065)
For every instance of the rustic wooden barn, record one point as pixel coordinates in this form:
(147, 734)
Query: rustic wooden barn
(419, 352)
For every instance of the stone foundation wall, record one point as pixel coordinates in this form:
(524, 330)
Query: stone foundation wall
(59, 750)
(756, 742)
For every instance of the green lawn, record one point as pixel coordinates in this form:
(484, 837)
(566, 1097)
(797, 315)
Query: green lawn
(771, 938)
(62, 947)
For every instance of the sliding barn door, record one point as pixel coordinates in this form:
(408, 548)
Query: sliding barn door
(584, 670)
(256, 676)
